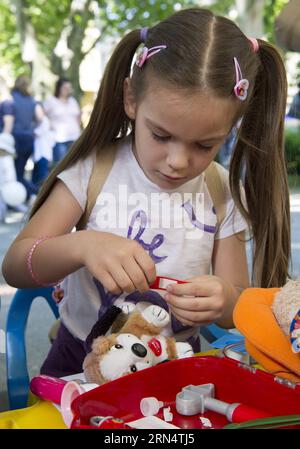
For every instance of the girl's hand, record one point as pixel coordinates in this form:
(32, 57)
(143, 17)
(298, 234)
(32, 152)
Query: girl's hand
(118, 263)
(201, 301)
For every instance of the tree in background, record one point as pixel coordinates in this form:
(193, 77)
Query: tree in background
(40, 33)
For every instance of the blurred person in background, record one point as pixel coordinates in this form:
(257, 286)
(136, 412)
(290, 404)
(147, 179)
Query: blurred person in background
(64, 114)
(24, 114)
(227, 148)
(294, 110)
(43, 151)
(7, 145)
(6, 112)
(7, 167)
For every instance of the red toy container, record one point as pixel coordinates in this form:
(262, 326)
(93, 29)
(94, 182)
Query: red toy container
(234, 382)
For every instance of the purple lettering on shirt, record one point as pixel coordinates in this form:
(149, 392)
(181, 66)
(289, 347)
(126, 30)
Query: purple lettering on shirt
(107, 298)
(141, 217)
(192, 216)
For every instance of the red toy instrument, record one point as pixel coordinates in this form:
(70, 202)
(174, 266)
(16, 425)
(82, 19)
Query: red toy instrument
(161, 282)
(234, 383)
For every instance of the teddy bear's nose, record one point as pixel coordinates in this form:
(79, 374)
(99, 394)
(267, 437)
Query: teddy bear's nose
(139, 350)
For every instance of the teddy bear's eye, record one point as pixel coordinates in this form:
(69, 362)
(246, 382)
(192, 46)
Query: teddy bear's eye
(117, 346)
(133, 368)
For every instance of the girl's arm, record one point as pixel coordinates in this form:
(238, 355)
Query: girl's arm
(118, 263)
(55, 258)
(229, 263)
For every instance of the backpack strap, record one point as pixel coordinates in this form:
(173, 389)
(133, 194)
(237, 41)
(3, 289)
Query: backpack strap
(217, 190)
(103, 164)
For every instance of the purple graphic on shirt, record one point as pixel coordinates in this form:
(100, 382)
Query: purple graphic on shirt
(192, 216)
(141, 217)
(107, 299)
(152, 297)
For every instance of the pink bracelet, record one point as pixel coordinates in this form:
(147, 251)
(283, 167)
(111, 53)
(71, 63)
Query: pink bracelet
(58, 293)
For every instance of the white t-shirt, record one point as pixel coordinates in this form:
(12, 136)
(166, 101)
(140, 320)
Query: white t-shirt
(64, 118)
(176, 228)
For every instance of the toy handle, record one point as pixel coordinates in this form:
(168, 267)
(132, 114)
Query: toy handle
(242, 413)
(47, 387)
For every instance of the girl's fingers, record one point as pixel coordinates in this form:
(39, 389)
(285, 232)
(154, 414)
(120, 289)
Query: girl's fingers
(121, 278)
(193, 304)
(136, 275)
(192, 318)
(199, 288)
(109, 283)
(146, 264)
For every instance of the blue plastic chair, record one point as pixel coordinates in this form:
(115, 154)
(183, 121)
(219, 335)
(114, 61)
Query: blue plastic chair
(16, 361)
(212, 332)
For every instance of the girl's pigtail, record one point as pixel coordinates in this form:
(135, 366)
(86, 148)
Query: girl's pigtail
(108, 120)
(260, 152)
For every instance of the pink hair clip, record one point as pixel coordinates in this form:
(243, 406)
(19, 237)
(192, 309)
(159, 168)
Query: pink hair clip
(254, 43)
(146, 53)
(242, 84)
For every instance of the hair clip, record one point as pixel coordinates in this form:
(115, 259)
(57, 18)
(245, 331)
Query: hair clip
(254, 43)
(146, 53)
(241, 84)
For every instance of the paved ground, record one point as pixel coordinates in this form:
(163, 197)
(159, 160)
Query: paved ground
(41, 318)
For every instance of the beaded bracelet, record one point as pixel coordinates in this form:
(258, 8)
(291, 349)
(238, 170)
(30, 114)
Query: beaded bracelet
(58, 292)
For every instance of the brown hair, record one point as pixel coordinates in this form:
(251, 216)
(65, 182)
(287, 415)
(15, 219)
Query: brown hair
(199, 55)
(22, 85)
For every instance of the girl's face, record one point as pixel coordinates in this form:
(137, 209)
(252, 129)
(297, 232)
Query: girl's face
(177, 134)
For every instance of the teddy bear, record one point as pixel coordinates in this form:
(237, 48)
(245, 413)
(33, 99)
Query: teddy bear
(286, 308)
(138, 344)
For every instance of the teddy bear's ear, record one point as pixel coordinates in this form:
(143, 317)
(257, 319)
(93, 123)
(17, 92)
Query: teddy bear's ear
(102, 326)
(91, 369)
(91, 363)
(102, 344)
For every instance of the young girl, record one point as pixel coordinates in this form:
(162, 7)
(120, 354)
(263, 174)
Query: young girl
(196, 76)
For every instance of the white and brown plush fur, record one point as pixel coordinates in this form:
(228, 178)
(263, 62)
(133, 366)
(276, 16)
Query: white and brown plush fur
(130, 349)
(286, 304)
